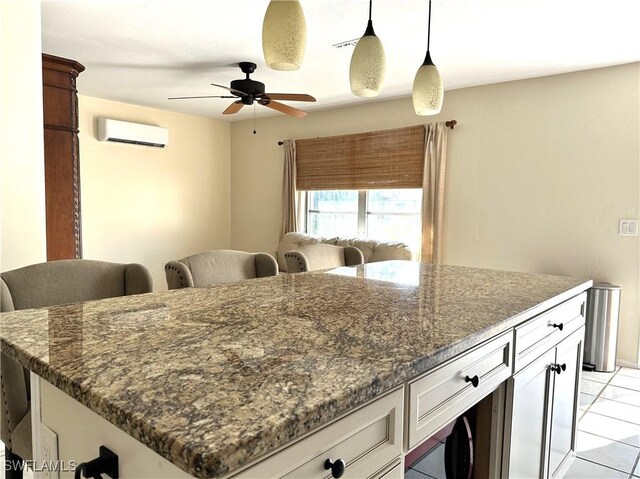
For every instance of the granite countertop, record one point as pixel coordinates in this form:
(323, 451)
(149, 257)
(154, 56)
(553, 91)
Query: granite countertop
(213, 378)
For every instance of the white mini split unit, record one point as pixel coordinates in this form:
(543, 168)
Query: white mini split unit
(132, 133)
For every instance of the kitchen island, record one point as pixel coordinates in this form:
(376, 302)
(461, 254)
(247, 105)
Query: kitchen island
(216, 379)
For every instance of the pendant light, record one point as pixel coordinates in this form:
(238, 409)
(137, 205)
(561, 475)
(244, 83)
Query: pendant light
(368, 64)
(284, 35)
(428, 92)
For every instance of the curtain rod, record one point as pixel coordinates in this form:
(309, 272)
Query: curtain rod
(449, 124)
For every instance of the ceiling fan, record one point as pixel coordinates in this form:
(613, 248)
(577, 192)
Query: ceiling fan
(248, 91)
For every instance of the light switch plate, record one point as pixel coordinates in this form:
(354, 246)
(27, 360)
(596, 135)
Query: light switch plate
(628, 227)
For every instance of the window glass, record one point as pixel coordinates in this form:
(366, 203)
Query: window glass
(394, 215)
(333, 213)
(386, 215)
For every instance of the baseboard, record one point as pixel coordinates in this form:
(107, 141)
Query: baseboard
(627, 364)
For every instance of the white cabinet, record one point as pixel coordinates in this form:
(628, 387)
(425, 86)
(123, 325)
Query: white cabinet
(444, 393)
(528, 404)
(565, 401)
(542, 397)
(366, 443)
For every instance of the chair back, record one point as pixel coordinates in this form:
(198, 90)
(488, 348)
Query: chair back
(51, 284)
(70, 281)
(317, 256)
(220, 266)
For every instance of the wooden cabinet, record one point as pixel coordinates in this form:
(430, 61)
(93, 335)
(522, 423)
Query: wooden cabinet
(61, 157)
(542, 397)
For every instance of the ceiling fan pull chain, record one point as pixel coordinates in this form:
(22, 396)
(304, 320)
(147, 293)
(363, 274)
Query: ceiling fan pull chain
(254, 118)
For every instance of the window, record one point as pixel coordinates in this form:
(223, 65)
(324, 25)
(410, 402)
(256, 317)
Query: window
(387, 214)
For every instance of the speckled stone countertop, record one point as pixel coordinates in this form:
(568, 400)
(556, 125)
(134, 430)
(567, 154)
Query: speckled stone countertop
(214, 378)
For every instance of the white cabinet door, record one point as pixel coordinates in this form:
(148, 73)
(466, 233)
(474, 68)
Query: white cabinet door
(565, 397)
(527, 418)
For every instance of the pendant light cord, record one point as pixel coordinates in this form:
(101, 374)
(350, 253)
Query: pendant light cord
(429, 27)
(370, 6)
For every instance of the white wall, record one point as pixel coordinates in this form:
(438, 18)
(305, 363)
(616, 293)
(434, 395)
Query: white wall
(539, 173)
(150, 205)
(22, 201)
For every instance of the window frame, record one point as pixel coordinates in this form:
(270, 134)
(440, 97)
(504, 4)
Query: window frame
(362, 213)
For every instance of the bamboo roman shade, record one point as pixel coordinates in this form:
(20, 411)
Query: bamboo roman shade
(377, 159)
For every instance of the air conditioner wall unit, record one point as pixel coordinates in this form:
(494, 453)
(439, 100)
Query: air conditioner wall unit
(132, 133)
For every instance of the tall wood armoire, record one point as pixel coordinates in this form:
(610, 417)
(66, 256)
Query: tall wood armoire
(61, 157)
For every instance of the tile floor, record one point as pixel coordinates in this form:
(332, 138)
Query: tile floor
(608, 431)
(609, 426)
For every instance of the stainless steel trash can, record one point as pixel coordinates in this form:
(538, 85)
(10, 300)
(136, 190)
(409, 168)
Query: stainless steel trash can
(601, 335)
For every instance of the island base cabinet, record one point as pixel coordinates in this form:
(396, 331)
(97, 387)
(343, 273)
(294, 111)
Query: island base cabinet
(541, 412)
(566, 396)
(368, 441)
(81, 432)
(527, 412)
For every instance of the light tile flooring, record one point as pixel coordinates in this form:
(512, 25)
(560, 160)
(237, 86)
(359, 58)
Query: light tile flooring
(609, 427)
(608, 431)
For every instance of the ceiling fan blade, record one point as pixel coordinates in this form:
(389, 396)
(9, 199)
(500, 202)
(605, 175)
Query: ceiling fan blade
(290, 96)
(189, 97)
(233, 108)
(282, 108)
(232, 90)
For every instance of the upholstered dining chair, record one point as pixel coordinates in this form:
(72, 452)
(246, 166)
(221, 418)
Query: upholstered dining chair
(50, 284)
(218, 266)
(312, 257)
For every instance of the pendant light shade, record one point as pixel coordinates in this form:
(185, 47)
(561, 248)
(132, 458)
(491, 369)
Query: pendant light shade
(284, 35)
(368, 64)
(428, 91)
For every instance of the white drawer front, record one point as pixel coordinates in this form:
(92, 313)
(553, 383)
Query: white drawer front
(366, 440)
(539, 334)
(445, 393)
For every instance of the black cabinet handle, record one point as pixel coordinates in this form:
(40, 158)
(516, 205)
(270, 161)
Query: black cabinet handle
(559, 326)
(558, 368)
(337, 467)
(474, 380)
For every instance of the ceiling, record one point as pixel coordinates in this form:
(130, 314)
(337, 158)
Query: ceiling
(143, 51)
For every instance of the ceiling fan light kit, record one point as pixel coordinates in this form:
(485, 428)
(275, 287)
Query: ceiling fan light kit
(428, 90)
(368, 63)
(284, 35)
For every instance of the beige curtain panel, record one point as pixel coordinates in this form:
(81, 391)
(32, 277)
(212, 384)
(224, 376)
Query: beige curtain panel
(435, 160)
(377, 159)
(289, 215)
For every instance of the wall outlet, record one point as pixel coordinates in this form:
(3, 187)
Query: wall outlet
(628, 227)
(49, 454)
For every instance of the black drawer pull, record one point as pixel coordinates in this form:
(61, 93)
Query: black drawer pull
(337, 467)
(558, 368)
(474, 380)
(559, 326)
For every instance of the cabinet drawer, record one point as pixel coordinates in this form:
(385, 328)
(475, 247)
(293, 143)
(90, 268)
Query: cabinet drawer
(366, 440)
(445, 393)
(539, 334)
(392, 472)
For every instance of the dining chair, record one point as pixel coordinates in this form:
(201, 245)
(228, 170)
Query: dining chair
(50, 284)
(317, 256)
(218, 266)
